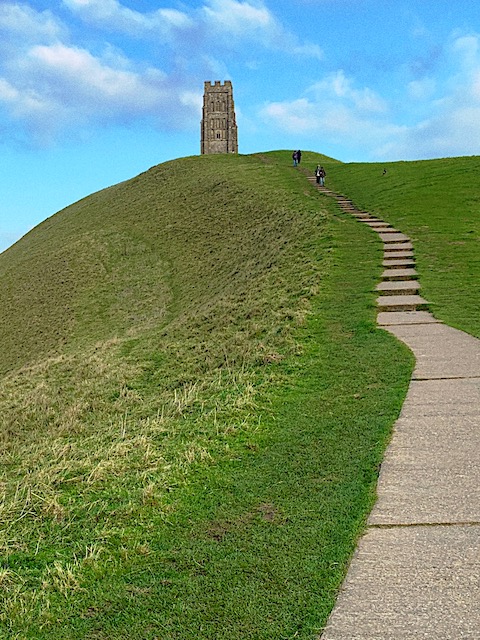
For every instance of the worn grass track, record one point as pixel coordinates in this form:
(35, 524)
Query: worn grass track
(193, 406)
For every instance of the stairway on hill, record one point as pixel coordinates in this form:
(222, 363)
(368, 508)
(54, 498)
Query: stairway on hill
(399, 289)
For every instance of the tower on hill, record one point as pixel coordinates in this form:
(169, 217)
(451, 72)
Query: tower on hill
(218, 128)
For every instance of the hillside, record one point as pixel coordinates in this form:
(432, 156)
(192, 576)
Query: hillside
(194, 403)
(437, 203)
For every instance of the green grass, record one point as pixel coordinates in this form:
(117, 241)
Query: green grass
(437, 203)
(193, 406)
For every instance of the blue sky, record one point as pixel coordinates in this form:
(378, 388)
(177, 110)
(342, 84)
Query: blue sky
(93, 92)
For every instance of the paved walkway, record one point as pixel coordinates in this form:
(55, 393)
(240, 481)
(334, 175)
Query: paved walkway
(416, 571)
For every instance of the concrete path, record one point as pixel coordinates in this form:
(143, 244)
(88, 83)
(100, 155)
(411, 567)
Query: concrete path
(416, 571)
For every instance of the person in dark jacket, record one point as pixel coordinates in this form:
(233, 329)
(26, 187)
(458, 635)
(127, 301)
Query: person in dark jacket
(320, 175)
(323, 175)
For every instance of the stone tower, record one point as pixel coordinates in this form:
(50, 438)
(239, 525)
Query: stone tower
(219, 129)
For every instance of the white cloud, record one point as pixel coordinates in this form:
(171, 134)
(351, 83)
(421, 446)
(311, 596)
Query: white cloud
(8, 93)
(234, 20)
(455, 132)
(48, 84)
(451, 126)
(335, 122)
(19, 20)
(338, 87)
(466, 48)
(422, 90)
(218, 21)
(358, 119)
(82, 75)
(51, 78)
(240, 18)
(297, 116)
(224, 18)
(112, 15)
(78, 88)
(336, 110)
(308, 50)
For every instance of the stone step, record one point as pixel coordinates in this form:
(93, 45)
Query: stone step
(399, 263)
(401, 287)
(401, 303)
(386, 230)
(397, 246)
(394, 237)
(399, 274)
(382, 227)
(402, 254)
(389, 318)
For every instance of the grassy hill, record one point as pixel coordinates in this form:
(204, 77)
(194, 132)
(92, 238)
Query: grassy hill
(194, 402)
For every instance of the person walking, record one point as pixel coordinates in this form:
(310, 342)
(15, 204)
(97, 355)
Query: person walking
(295, 158)
(320, 175)
(323, 175)
(299, 156)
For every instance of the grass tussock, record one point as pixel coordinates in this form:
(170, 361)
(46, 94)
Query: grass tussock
(193, 405)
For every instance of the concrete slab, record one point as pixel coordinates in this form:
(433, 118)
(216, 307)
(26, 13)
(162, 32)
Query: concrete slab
(400, 254)
(385, 318)
(457, 397)
(398, 263)
(440, 351)
(379, 224)
(403, 287)
(397, 246)
(394, 237)
(430, 472)
(399, 274)
(411, 583)
(401, 303)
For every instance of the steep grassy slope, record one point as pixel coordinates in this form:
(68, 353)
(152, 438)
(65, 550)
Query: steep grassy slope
(193, 406)
(160, 243)
(437, 202)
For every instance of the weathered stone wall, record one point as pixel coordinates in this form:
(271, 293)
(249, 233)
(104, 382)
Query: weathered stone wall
(218, 127)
